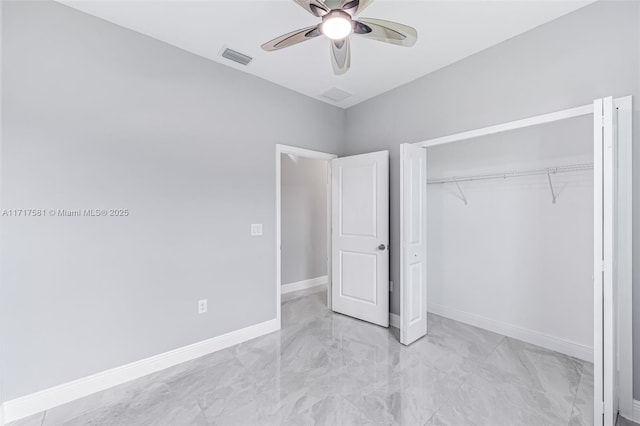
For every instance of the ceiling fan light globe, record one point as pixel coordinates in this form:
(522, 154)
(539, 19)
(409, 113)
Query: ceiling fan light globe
(337, 27)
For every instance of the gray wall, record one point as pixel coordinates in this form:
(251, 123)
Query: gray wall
(97, 116)
(304, 218)
(585, 55)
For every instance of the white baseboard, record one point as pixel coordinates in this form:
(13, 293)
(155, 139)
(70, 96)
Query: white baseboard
(302, 285)
(636, 411)
(530, 336)
(37, 402)
(394, 320)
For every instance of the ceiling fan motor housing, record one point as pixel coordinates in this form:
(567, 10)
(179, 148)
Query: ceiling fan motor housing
(337, 24)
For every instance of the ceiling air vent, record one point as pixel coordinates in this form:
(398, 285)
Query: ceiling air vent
(238, 57)
(336, 95)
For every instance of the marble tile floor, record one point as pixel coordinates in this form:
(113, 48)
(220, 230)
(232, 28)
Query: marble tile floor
(624, 422)
(329, 369)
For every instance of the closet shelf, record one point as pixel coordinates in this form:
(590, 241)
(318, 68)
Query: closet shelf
(548, 171)
(516, 173)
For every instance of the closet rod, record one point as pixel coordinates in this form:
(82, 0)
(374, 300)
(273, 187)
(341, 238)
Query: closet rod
(522, 173)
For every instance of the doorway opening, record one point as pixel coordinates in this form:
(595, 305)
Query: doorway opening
(303, 202)
(355, 222)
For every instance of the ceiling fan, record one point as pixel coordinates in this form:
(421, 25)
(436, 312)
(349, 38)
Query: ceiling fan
(338, 25)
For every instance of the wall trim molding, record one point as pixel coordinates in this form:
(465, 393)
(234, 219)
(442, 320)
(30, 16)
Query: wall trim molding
(394, 320)
(554, 343)
(37, 402)
(511, 125)
(304, 284)
(636, 411)
(625, 255)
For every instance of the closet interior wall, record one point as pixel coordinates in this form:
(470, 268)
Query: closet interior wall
(511, 258)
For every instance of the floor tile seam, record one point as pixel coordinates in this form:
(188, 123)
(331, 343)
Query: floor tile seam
(575, 389)
(466, 339)
(526, 388)
(444, 404)
(554, 360)
(480, 358)
(463, 382)
(575, 398)
(465, 376)
(484, 359)
(521, 406)
(482, 362)
(527, 368)
(561, 364)
(201, 408)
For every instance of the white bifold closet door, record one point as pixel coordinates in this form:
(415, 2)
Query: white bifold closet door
(413, 243)
(360, 236)
(604, 277)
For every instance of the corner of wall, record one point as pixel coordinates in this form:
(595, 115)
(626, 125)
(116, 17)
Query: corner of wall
(345, 133)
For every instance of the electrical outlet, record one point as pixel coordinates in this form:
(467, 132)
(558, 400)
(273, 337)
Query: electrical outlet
(256, 229)
(202, 306)
(391, 286)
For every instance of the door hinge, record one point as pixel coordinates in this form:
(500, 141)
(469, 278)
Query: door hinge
(602, 408)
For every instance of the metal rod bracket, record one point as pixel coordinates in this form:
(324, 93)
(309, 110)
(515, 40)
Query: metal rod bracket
(553, 194)
(461, 194)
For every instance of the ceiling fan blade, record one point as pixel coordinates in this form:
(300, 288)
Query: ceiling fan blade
(292, 38)
(354, 7)
(314, 7)
(340, 56)
(386, 31)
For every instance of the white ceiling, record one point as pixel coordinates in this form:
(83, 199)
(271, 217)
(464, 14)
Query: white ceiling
(448, 31)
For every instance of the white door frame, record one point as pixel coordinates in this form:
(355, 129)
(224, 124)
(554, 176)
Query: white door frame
(511, 125)
(624, 267)
(624, 255)
(306, 153)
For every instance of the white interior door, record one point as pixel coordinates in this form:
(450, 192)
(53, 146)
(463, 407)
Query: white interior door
(360, 236)
(605, 280)
(413, 243)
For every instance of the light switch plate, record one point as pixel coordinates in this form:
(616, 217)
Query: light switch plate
(256, 229)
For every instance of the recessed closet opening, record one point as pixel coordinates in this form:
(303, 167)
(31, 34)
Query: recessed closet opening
(510, 233)
(524, 228)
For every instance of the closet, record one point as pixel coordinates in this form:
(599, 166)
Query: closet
(524, 228)
(510, 233)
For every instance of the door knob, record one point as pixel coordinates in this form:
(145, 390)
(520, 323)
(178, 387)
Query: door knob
(382, 247)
